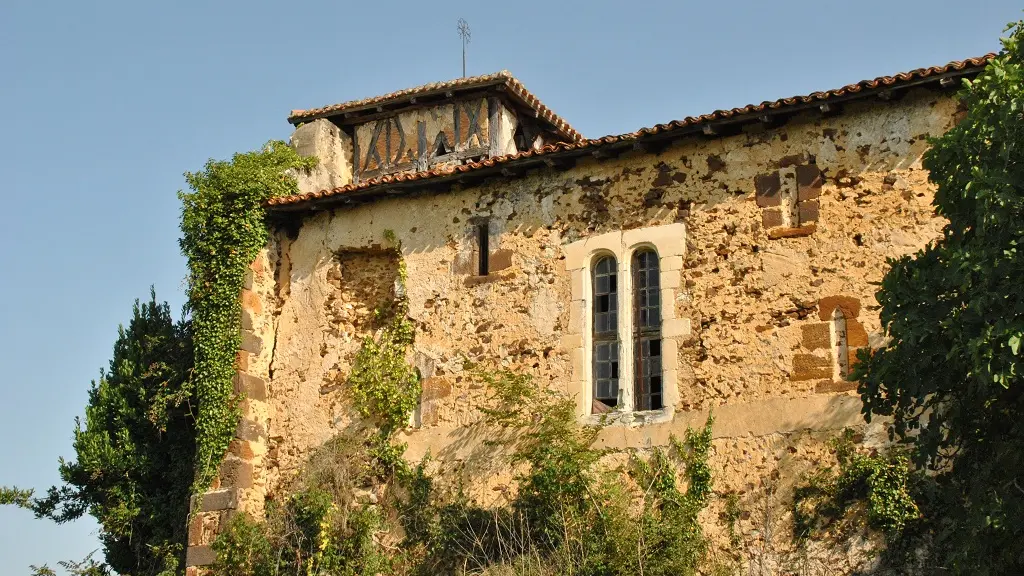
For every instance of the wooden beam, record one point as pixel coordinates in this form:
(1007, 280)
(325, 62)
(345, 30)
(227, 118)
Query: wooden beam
(885, 95)
(825, 108)
(509, 172)
(651, 146)
(948, 82)
(559, 163)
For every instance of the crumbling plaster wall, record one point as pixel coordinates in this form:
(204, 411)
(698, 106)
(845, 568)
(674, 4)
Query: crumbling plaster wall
(756, 304)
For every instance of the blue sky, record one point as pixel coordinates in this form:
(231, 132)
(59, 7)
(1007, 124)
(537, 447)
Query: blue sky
(105, 105)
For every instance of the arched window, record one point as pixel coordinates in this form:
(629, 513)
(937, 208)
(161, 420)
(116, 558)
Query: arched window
(606, 334)
(840, 349)
(647, 384)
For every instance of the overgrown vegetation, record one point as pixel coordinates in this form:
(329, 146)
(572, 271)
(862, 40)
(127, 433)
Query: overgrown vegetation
(223, 228)
(950, 377)
(353, 512)
(134, 453)
(327, 525)
(873, 489)
(382, 384)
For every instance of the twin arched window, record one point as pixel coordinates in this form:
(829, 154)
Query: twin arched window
(644, 333)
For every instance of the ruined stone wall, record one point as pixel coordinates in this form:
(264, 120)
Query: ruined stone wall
(780, 227)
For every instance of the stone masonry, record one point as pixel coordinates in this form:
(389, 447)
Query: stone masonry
(770, 238)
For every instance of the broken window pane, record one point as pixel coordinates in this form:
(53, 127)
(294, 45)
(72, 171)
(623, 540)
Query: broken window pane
(605, 334)
(647, 384)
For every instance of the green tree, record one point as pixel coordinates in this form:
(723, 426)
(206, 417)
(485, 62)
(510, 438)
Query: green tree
(950, 375)
(134, 463)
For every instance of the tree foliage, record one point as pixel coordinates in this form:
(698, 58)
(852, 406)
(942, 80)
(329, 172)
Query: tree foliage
(950, 376)
(133, 466)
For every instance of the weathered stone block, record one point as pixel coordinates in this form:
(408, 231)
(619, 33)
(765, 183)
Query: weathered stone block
(808, 210)
(569, 342)
(810, 367)
(668, 240)
(576, 276)
(249, 430)
(579, 364)
(771, 218)
(670, 278)
(808, 181)
(848, 304)
(200, 556)
(242, 360)
(252, 387)
(251, 302)
(767, 188)
(499, 260)
(852, 357)
(577, 312)
(856, 335)
(428, 414)
(202, 528)
(248, 321)
(251, 342)
(816, 336)
(800, 232)
(668, 298)
(235, 472)
(435, 389)
(242, 449)
(676, 328)
(464, 263)
(671, 263)
(223, 499)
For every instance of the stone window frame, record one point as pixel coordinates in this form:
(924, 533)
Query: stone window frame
(669, 242)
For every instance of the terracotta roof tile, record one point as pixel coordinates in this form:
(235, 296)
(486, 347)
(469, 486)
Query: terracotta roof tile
(503, 78)
(852, 90)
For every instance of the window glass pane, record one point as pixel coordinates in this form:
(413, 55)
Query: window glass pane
(605, 335)
(647, 330)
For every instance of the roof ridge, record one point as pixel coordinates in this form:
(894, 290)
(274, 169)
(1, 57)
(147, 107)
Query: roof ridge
(689, 121)
(504, 77)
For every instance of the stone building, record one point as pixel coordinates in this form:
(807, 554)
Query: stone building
(724, 262)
